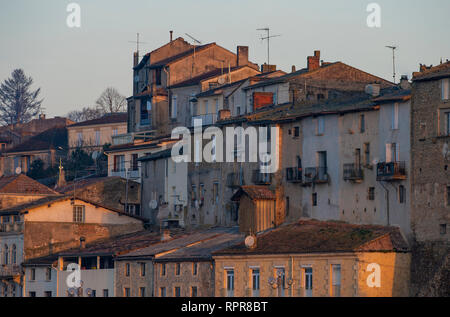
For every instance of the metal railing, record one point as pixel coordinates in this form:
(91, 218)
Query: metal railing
(294, 174)
(391, 171)
(207, 119)
(353, 172)
(260, 178)
(316, 175)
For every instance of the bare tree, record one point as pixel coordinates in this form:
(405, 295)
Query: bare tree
(18, 103)
(111, 101)
(85, 114)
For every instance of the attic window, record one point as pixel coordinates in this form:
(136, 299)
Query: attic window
(78, 214)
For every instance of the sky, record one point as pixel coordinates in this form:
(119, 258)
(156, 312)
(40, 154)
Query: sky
(73, 66)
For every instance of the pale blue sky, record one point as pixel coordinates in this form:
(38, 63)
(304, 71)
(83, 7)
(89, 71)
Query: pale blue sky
(73, 66)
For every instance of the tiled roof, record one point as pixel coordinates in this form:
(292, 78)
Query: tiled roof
(312, 236)
(187, 53)
(110, 118)
(117, 245)
(399, 95)
(179, 242)
(437, 72)
(156, 156)
(208, 75)
(22, 184)
(50, 139)
(255, 193)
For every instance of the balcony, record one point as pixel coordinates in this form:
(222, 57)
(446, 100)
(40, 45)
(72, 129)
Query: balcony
(393, 171)
(134, 174)
(316, 175)
(294, 175)
(353, 172)
(9, 270)
(13, 227)
(207, 119)
(235, 180)
(261, 178)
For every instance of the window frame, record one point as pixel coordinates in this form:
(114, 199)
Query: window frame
(76, 217)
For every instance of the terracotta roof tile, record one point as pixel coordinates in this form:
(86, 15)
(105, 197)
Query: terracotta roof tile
(255, 193)
(111, 118)
(22, 184)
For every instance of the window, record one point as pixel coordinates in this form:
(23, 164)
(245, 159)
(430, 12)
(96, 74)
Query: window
(392, 152)
(47, 294)
(308, 279)
(336, 280)
(230, 283)
(119, 163)
(443, 229)
(80, 138)
(126, 292)
(255, 282)
(105, 293)
(141, 291)
(177, 292)
(362, 123)
(174, 107)
(142, 269)
(314, 199)
(194, 291)
(296, 132)
(287, 205)
(394, 117)
(32, 294)
(144, 113)
(163, 269)
(371, 193)
(448, 195)
(78, 214)
(115, 132)
(48, 274)
(14, 254)
(445, 88)
(215, 193)
(6, 255)
(162, 292)
(127, 269)
(33, 275)
(93, 293)
(97, 137)
(177, 269)
(158, 76)
(401, 194)
(367, 154)
(320, 126)
(194, 268)
(280, 275)
(447, 119)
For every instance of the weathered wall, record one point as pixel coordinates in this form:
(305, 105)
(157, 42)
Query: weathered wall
(135, 280)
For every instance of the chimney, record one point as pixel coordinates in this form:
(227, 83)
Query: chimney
(293, 69)
(82, 242)
(165, 236)
(135, 59)
(373, 90)
(224, 114)
(404, 83)
(42, 116)
(314, 61)
(171, 36)
(265, 68)
(242, 55)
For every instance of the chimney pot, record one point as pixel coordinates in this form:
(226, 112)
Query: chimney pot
(171, 35)
(242, 56)
(293, 68)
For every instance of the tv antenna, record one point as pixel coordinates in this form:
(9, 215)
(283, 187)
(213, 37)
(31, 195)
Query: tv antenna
(393, 48)
(268, 37)
(137, 42)
(195, 42)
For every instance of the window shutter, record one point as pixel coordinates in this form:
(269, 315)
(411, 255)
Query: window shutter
(388, 152)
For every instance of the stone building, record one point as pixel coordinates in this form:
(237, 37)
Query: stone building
(430, 180)
(316, 259)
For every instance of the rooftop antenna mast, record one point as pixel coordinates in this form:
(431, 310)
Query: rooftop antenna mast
(393, 48)
(137, 42)
(268, 37)
(195, 42)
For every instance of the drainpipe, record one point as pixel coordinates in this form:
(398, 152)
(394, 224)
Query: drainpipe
(387, 203)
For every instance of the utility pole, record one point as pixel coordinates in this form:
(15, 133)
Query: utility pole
(268, 37)
(137, 42)
(393, 48)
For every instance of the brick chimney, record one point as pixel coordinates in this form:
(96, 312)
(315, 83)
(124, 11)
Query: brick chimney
(224, 114)
(242, 55)
(171, 36)
(404, 82)
(314, 61)
(265, 68)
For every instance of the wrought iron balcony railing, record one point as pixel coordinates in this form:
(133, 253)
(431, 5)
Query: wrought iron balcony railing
(294, 174)
(353, 172)
(260, 178)
(391, 171)
(316, 175)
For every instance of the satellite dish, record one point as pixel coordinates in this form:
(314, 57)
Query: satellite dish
(250, 242)
(221, 80)
(18, 170)
(153, 204)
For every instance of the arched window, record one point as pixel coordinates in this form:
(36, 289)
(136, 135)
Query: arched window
(14, 254)
(6, 255)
